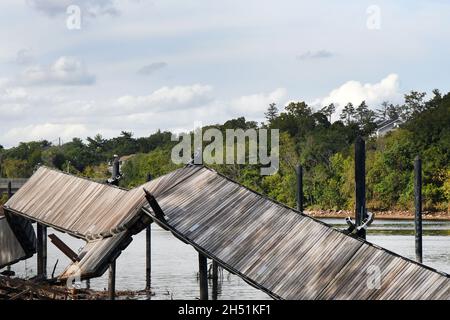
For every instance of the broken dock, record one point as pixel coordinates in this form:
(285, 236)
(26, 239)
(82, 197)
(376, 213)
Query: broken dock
(274, 248)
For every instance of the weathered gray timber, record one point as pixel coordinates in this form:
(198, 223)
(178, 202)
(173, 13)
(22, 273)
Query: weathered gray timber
(418, 207)
(281, 251)
(277, 249)
(104, 216)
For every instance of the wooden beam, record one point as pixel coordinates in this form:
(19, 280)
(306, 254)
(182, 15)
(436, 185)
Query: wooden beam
(41, 250)
(8, 269)
(148, 259)
(299, 193)
(154, 205)
(148, 253)
(215, 279)
(360, 184)
(203, 276)
(112, 281)
(9, 189)
(418, 207)
(63, 247)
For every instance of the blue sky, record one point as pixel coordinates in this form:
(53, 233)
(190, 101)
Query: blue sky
(206, 61)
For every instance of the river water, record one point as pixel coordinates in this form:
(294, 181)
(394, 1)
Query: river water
(175, 264)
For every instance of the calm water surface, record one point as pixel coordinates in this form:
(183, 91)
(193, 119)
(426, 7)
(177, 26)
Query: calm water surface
(175, 264)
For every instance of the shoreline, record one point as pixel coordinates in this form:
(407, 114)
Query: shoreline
(381, 215)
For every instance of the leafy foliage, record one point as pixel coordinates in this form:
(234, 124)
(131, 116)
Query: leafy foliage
(307, 136)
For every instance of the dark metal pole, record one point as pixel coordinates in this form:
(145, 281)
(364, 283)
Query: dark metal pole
(418, 206)
(215, 279)
(299, 171)
(112, 281)
(41, 238)
(203, 275)
(148, 253)
(360, 183)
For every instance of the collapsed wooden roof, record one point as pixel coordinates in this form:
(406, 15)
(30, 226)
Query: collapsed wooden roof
(285, 253)
(273, 247)
(104, 216)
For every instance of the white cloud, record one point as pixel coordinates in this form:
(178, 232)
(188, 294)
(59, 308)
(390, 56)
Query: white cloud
(91, 8)
(64, 71)
(256, 104)
(167, 98)
(24, 57)
(320, 54)
(356, 92)
(34, 115)
(152, 68)
(48, 131)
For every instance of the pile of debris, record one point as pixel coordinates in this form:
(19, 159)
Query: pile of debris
(34, 289)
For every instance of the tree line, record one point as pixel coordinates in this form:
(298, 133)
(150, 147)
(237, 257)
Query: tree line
(307, 136)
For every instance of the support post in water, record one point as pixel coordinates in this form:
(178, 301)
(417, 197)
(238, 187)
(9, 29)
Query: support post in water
(215, 279)
(418, 206)
(360, 184)
(41, 239)
(9, 189)
(148, 253)
(8, 268)
(112, 281)
(203, 276)
(299, 171)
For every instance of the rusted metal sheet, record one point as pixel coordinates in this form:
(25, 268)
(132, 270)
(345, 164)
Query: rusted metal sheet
(281, 251)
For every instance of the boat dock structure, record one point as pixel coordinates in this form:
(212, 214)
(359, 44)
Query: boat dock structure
(274, 248)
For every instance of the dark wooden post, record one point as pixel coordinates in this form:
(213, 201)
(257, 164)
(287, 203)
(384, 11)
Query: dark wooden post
(299, 193)
(203, 276)
(360, 183)
(9, 189)
(115, 171)
(418, 206)
(41, 239)
(9, 197)
(112, 281)
(215, 279)
(148, 253)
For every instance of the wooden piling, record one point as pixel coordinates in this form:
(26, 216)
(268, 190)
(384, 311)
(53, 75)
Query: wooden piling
(215, 279)
(148, 259)
(299, 193)
(9, 189)
(203, 276)
(418, 207)
(360, 184)
(148, 253)
(112, 281)
(8, 268)
(41, 244)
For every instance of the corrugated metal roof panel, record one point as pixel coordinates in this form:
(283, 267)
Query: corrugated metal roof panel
(285, 253)
(273, 247)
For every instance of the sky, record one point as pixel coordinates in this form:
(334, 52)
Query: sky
(75, 68)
